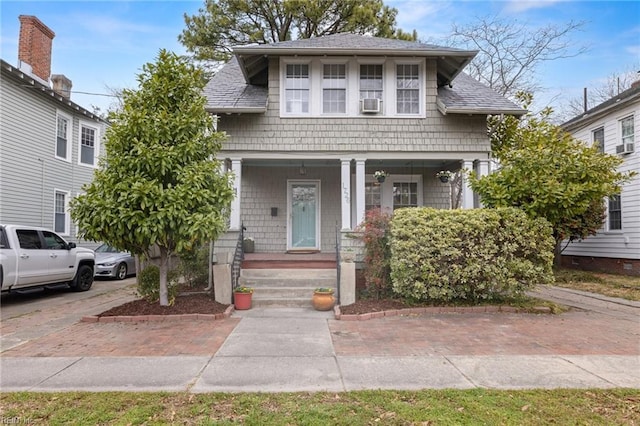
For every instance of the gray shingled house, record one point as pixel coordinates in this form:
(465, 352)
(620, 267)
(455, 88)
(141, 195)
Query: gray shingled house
(310, 122)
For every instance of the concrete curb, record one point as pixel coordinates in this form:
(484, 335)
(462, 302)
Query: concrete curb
(141, 318)
(433, 310)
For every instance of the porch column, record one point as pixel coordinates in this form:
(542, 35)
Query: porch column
(234, 220)
(345, 169)
(360, 201)
(467, 193)
(483, 170)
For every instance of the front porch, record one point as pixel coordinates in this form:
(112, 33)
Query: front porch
(302, 204)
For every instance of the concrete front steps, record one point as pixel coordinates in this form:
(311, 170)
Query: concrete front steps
(286, 287)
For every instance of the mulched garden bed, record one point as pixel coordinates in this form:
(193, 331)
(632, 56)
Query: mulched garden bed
(200, 303)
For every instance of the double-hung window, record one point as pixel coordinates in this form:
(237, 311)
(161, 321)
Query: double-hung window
(626, 126)
(62, 137)
(598, 138)
(61, 222)
(297, 88)
(88, 144)
(372, 195)
(405, 194)
(371, 81)
(615, 213)
(334, 88)
(407, 89)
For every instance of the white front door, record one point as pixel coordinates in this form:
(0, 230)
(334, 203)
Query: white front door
(303, 228)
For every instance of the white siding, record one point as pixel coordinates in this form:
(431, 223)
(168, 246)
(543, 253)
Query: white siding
(625, 243)
(29, 169)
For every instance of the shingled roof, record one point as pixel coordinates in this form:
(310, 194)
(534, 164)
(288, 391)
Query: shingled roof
(240, 86)
(450, 61)
(619, 101)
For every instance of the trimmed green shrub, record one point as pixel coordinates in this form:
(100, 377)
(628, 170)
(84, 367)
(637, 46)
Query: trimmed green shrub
(149, 285)
(479, 254)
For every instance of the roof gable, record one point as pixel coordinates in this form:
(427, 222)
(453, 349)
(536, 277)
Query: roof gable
(253, 59)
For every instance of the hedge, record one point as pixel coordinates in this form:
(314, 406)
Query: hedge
(479, 254)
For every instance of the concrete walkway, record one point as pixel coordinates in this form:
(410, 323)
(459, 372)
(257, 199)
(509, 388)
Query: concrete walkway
(299, 349)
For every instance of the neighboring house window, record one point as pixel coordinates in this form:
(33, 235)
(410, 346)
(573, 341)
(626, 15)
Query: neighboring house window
(334, 88)
(615, 213)
(61, 222)
(62, 137)
(88, 145)
(405, 194)
(598, 138)
(371, 195)
(297, 88)
(370, 81)
(627, 130)
(407, 89)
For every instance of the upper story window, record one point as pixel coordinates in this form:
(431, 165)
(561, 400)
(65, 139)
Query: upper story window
(334, 88)
(88, 145)
(371, 86)
(598, 138)
(297, 88)
(407, 89)
(63, 127)
(353, 87)
(627, 131)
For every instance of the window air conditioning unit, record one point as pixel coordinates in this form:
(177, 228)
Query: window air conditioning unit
(370, 105)
(625, 148)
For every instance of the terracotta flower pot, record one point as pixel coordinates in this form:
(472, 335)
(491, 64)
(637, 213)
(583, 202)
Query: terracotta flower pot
(242, 301)
(323, 300)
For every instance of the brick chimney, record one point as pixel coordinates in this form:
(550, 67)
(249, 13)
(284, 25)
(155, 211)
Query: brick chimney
(34, 47)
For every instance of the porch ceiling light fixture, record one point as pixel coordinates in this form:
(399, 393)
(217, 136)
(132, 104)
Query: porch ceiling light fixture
(302, 170)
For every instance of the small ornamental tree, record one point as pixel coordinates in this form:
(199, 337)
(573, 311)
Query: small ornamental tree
(548, 173)
(159, 184)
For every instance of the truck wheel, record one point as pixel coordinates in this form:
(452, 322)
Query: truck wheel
(83, 279)
(121, 272)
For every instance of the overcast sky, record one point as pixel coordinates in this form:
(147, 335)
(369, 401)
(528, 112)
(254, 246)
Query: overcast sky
(100, 44)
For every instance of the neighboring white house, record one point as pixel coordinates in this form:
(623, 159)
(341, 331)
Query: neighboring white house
(310, 122)
(613, 125)
(49, 145)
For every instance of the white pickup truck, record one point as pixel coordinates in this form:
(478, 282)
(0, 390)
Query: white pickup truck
(32, 258)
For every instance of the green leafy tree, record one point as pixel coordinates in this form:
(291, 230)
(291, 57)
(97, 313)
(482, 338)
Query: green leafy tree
(548, 173)
(159, 184)
(222, 24)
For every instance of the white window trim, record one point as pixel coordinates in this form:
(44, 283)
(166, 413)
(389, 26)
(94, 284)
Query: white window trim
(60, 114)
(96, 145)
(593, 131)
(388, 104)
(386, 189)
(619, 129)
(283, 87)
(607, 223)
(421, 81)
(67, 215)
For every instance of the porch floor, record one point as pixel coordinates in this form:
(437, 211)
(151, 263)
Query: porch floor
(289, 261)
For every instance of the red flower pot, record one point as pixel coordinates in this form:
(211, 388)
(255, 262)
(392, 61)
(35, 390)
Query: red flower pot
(242, 301)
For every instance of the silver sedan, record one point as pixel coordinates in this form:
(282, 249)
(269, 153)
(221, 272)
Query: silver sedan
(113, 263)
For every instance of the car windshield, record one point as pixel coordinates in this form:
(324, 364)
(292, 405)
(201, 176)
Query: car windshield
(106, 248)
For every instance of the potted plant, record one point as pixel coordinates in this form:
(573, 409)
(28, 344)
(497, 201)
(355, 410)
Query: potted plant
(323, 299)
(242, 298)
(248, 245)
(444, 175)
(380, 175)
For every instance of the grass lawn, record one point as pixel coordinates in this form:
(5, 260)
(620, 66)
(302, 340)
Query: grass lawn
(429, 407)
(622, 286)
